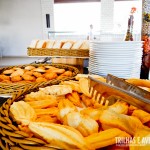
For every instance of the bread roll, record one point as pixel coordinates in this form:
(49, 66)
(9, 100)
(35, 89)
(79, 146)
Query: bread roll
(58, 44)
(50, 43)
(67, 45)
(85, 45)
(77, 45)
(41, 44)
(33, 43)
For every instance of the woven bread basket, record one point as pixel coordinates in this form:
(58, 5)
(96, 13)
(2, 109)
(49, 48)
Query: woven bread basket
(11, 137)
(9, 88)
(57, 52)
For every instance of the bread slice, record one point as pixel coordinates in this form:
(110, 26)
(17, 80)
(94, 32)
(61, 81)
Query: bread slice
(58, 44)
(85, 45)
(50, 43)
(41, 44)
(33, 43)
(67, 45)
(77, 45)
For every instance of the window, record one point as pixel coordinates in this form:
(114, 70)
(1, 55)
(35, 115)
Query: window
(77, 16)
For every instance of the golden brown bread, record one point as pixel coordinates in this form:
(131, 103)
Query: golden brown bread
(83, 123)
(65, 106)
(139, 82)
(50, 43)
(74, 85)
(141, 115)
(74, 98)
(22, 112)
(105, 138)
(141, 140)
(57, 89)
(61, 136)
(120, 107)
(111, 119)
(43, 103)
(52, 111)
(9, 71)
(38, 96)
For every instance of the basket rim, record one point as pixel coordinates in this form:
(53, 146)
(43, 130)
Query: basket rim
(11, 128)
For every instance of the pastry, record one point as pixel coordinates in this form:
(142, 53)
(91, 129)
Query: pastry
(17, 78)
(62, 136)
(50, 76)
(28, 77)
(9, 71)
(57, 89)
(29, 67)
(22, 112)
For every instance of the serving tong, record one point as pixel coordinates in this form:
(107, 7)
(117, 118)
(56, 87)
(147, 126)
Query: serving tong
(101, 92)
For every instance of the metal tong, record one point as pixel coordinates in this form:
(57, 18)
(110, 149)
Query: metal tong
(119, 87)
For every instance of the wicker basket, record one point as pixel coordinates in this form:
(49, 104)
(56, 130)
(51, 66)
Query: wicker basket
(10, 88)
(11, 137)
(57, 52)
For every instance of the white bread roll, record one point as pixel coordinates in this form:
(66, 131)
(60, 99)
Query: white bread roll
(67, 45)
(41, 44)
(77, 45)
(33, 43)
(85, 45)
(58, 44)
(50, 43)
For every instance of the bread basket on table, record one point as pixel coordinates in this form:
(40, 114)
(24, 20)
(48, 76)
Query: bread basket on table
(57, 52)
(64, 135)
(7, 88)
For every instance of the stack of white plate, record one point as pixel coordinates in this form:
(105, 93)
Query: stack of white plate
(122, 59)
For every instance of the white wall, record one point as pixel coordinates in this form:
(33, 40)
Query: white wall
(20, 22)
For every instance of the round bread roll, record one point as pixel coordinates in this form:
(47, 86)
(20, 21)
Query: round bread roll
(9, 71)
(29, 67)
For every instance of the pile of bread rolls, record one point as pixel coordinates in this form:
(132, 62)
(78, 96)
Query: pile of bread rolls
(32, 73)
(60, 44)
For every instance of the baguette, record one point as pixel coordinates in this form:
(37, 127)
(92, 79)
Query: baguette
(105, 138)
(61, 136)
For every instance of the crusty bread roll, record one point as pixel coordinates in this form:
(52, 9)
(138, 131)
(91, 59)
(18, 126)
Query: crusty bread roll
(77, 45)
(33, 43)
(85, 45)
(50, 43)
(41, 44)
(58, 44)
(67, 45)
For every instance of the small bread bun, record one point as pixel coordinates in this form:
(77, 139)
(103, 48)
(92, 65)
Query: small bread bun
(19, 72)
(57, 89)
(85, 45)
(41, 44)
(29, 67)
(77, 45)
(39, 70)
(33, 43)
(58, 44)
(10, 71)
(67, 45)
(50, 43)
